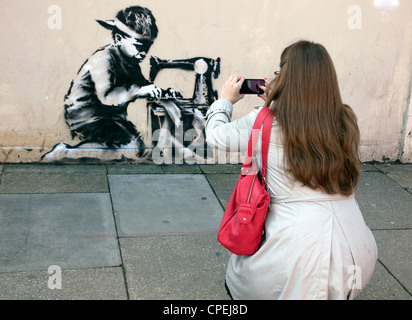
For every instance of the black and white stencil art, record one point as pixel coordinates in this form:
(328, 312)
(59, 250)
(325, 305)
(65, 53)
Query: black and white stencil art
(96, 104)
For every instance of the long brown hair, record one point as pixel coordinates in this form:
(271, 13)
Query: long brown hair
(321, 135)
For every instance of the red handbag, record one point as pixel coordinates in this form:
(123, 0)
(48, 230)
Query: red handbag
(242, 224)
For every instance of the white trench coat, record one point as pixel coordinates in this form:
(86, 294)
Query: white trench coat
(317, 246)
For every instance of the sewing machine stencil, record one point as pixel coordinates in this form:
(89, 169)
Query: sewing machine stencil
(168, 115)
(110, 80)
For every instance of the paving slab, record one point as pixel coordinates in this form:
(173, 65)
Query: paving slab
(134, 169)
(181, 168)
(400, 173)
(53, 168)
(69, 230)
(395, 253)
(223, 185)
(221, 168)
(53, 183)
(164, 204)
(383, 286)
(368, 167)
(83, 284)
(46, 178)
(383, 202)
(184, 267)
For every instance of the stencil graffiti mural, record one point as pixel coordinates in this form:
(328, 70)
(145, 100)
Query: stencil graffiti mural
(96, 104)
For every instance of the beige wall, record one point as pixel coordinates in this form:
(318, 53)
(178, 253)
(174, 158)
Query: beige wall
(370, 44)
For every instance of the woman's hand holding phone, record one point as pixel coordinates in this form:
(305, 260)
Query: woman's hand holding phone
(235, 88)
(231, 89)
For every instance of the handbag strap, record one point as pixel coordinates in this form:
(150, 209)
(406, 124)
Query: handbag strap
(264, 119)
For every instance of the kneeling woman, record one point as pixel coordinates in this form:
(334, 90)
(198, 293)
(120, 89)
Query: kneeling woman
(317, 245)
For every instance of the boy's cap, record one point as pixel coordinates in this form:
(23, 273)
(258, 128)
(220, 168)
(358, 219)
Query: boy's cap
(138, 23)
(116, 24)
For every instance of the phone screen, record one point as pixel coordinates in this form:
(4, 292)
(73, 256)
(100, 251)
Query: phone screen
(251, 86)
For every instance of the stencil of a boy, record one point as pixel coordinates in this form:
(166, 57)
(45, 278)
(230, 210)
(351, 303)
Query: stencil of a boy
(96, 103)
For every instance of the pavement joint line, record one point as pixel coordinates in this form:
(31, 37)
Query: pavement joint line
(122, 265)
(150, 234)
(397, 280)
(390, 229)
(147, 234)
(214, 192)
(407, 189)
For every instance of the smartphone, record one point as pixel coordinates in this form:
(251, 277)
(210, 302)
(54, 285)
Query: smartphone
(251, 86)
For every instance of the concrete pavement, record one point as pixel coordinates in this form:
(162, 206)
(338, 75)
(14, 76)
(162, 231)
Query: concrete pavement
(149, 232)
